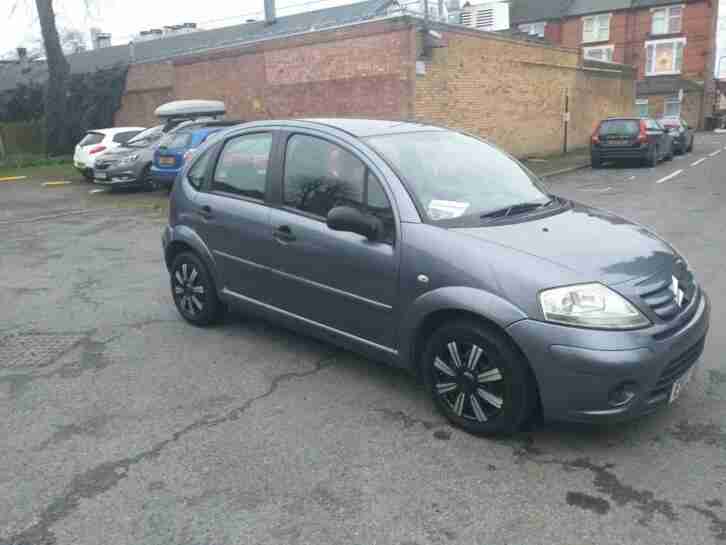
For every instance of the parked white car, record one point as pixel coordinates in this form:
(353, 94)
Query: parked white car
(98, 142)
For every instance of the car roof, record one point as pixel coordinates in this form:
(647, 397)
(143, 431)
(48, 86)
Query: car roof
(116, 130)
(371, 127)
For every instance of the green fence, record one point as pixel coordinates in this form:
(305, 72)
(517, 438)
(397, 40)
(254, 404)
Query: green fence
(22, 138)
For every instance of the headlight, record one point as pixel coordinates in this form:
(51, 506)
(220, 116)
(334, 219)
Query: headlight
(130, 159)
(590, 305)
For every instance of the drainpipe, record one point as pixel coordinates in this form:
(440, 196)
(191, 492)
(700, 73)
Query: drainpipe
(270, 12)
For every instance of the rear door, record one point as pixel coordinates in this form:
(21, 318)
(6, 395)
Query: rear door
(232, 214)
(658, 135)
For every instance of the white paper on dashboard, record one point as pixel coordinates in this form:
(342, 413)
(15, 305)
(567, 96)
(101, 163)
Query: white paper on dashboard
(444, 210)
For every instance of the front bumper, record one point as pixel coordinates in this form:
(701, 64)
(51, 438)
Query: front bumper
(118, 176)
(577, 369)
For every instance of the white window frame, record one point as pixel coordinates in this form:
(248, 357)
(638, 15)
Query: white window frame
(669, 17)
(587, 50)
(597, 28)
(650, 67)
(642, 102)
(534, 29)
(670, 101)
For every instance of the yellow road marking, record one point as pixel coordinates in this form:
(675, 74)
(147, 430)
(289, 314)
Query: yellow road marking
(12, 178)
(53, 184)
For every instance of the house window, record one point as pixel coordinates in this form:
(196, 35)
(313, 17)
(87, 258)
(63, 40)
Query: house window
(672, 107)
(604, 53)
(534, 29)
(667, 20)
(641, 107)
(596, 28)
(664, 57)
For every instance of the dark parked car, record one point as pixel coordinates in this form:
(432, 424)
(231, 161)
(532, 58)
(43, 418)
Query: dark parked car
(178, 146)
(617, 139)
(682, 134)
(130, 164)
(434, 251)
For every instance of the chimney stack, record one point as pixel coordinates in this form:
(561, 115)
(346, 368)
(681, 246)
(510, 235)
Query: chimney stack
(270, 12)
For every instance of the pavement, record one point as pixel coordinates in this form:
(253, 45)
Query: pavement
(121, 424)
(555, 165)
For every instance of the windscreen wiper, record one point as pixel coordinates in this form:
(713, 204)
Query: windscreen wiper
(520, 208)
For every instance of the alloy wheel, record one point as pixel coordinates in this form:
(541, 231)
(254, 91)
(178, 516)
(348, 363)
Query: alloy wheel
(189, 293)
(471, 385)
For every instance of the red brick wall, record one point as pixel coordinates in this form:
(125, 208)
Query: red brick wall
(363, 71)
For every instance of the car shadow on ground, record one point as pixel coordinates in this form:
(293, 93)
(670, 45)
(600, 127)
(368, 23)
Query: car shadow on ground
(410, 404)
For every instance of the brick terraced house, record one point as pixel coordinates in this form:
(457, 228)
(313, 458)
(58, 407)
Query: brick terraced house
(670, 43)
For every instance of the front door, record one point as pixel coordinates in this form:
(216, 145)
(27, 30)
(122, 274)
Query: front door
(339, 279)
(234, 216)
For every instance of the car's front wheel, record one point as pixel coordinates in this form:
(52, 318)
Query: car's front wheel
(478, 379)
(193, 290)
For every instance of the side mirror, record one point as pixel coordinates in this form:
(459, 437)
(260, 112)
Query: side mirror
(346, 218)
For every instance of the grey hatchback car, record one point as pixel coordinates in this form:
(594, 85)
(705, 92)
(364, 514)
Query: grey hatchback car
(434, 251)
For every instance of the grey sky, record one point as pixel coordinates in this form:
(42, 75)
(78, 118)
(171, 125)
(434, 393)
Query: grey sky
(125, 18)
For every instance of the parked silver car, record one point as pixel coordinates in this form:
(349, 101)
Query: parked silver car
(434, 251)
(129, 165)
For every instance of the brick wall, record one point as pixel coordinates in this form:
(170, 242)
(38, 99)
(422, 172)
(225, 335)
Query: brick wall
(513, 93)
(362, 71)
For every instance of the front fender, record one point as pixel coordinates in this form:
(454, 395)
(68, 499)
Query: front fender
(489, 306)
(184, 235)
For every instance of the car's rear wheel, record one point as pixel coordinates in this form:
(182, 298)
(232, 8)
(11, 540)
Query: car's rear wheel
(478, 379)
(596, 161)
(690, 148)
(670, 154)
(193, 290)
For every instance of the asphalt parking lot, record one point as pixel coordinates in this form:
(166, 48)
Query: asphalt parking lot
(123, 424)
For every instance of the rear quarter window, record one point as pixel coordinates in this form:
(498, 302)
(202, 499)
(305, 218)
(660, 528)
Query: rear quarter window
(91, 139)
(624, 127)
(123, 137)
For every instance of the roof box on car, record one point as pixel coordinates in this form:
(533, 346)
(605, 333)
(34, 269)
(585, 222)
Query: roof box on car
(190, 109)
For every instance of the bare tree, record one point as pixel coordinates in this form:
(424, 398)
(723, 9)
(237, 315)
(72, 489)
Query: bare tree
(58, 76)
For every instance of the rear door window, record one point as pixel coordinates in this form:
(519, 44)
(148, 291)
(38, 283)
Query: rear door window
(91, 139)
(620, 127)
(242, 166)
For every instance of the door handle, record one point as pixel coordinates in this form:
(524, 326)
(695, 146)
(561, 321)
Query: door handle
(206, 212)
(283, 234)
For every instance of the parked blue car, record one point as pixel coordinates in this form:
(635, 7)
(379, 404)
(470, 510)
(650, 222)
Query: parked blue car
(178, 146)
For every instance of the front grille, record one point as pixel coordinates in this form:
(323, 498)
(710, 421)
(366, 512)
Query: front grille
(676, 369)
(657, 291)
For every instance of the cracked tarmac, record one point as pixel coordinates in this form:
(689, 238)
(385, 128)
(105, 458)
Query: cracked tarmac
(122, 424)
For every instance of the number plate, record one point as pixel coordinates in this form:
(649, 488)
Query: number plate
(679, 385)
(617, 142)
(101, 176)
(166, 161)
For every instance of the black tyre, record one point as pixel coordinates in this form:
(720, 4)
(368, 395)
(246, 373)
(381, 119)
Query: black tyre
(651, 159)
(690, 148)
(669, 156)
(146, 180)
(193, 290)
(477, 379)
(595, 161)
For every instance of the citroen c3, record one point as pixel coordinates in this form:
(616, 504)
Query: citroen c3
(434, 251)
